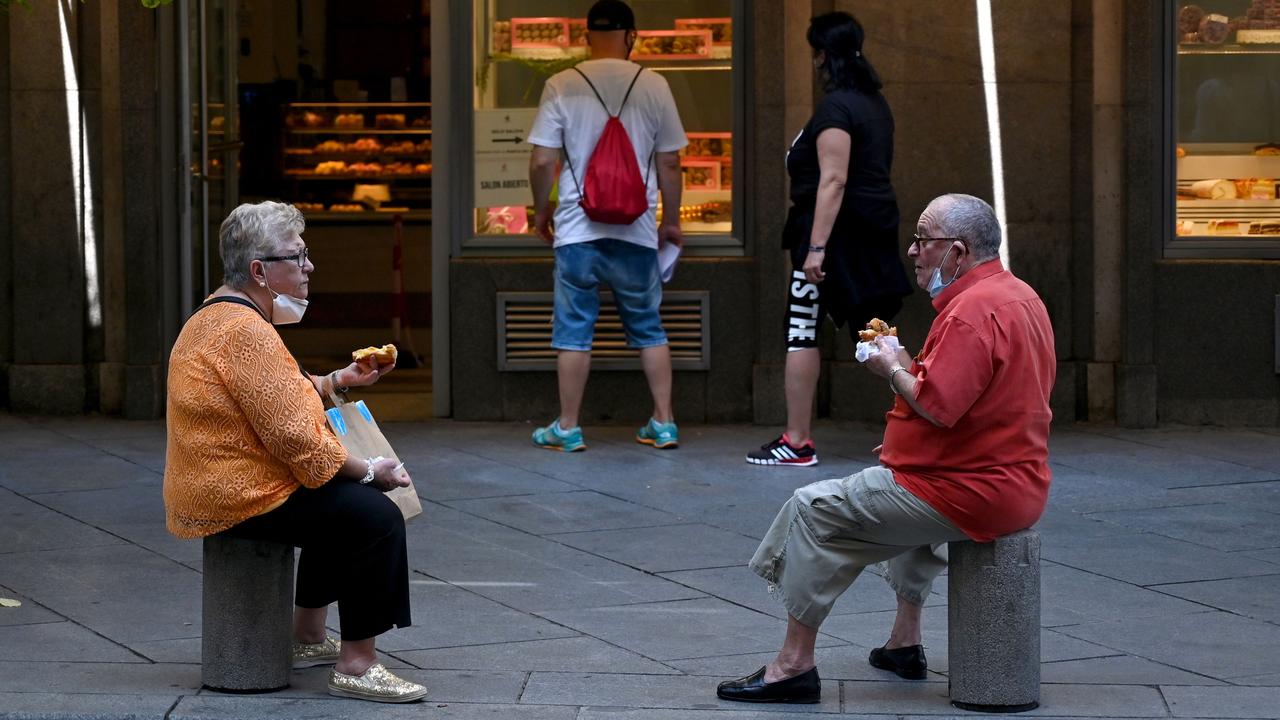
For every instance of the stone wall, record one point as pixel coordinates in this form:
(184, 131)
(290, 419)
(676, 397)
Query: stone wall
(49, 372)
(934, 83)
(81, 328)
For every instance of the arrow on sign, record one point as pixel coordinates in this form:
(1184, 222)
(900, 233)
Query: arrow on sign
(516, 140)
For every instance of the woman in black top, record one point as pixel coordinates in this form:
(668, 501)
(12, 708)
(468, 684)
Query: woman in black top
(842, 229)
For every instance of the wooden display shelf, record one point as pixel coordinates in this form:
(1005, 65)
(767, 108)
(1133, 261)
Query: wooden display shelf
(357, 156)
(348, 176)
(357, 131)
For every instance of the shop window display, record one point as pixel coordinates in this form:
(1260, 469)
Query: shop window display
(1226, 125)
(357, 159)
(520, 43)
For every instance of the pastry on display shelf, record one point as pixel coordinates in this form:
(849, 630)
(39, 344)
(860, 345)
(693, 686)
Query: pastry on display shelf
(330, 146)
(349, 120)
(1214, 29)
(1214, 189)
(305, 119)
(389, 121)
(1226, 227)
(1264, 227)
(331, 167)
(1186, 227)
(307, 207)
(365, 168)
(367, 145)
(422, 169)
(346, 207)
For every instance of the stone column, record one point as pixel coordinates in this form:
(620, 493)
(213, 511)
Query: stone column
(782, 78)
(150, 277)
(1136, 378)
(110, 194)
(1108, 180)
(6, 220)
(48, 221)
(993, 623)
(247, 615)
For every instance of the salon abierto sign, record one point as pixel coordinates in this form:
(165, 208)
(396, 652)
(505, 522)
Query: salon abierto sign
(502, 156)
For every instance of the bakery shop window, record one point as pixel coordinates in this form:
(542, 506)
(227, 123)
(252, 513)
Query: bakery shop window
(1226, 124)
(518, 44)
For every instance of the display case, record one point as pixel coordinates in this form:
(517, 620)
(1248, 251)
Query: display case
(357, 161)
(1225, 129)
(519, 44)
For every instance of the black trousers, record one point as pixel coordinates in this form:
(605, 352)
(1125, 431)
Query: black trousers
(353, 553)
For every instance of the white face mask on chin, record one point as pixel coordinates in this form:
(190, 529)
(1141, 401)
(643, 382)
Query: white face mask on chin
(936, 285)
(285, 309)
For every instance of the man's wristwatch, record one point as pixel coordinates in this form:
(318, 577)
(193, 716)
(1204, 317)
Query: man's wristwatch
(893, 372)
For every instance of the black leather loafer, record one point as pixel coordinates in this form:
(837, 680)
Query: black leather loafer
(907, 662)
(803, 688)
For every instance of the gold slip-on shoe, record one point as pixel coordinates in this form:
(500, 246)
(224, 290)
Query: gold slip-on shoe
(376, 684)
(307, 655)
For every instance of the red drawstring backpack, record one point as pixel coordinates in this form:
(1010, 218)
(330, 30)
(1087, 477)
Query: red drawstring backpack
(612, 191)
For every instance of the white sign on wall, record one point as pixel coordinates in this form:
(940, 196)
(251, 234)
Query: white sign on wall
(502, 156)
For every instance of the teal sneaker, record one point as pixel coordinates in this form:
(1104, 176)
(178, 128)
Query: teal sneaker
(552, 437)
(659, 435)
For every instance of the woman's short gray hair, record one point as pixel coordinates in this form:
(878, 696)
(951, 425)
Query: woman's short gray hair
(971, 218)
(253, 231)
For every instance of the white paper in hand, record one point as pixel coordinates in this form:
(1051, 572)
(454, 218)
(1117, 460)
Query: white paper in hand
(668, 253)
(865, 350)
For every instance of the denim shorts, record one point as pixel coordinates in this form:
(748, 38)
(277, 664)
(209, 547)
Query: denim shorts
(629, 270)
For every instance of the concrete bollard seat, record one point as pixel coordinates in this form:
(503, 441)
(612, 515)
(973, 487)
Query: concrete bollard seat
(993, 623)
(247, 615)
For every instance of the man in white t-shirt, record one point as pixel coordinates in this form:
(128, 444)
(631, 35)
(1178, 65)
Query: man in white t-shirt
(571, 118)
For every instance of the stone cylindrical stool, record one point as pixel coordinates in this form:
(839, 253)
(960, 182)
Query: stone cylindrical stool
(247, 615)
(993, 623)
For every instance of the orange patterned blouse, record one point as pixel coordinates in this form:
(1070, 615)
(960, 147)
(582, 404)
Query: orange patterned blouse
(245, 426)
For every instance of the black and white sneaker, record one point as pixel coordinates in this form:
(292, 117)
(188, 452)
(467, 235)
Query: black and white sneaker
(782, 452)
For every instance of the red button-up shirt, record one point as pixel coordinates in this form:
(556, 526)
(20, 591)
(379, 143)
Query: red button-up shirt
(985, 373)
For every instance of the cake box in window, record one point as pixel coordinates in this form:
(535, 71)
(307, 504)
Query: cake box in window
(700, 174)
(721, 33)
(709, 145)
(672, 45)
(578, 37)
(540, 37)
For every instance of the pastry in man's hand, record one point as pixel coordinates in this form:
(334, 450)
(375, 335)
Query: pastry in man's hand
(875, 329)
(384, 355)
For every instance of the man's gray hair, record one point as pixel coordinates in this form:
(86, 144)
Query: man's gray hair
(253, 231)
(971, 218)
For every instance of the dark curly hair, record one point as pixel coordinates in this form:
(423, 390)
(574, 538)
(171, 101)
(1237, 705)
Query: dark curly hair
(844, 67)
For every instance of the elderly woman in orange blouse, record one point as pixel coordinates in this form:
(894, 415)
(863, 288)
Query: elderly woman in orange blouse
(249, 455)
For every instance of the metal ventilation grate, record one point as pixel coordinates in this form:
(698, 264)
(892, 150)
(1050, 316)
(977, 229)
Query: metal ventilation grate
(524, 332)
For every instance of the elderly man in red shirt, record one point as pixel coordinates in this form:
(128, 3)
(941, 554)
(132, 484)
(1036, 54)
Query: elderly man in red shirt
(965, 456)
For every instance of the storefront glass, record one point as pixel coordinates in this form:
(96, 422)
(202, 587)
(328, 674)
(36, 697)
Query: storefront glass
(520, 43)
(1226, 128)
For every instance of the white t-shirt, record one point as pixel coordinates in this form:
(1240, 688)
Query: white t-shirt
(569, 114)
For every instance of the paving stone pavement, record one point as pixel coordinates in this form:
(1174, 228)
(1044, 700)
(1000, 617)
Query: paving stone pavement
(611, 584)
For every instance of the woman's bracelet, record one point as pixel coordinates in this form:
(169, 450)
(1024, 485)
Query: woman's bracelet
(818, 248)
(333, 382)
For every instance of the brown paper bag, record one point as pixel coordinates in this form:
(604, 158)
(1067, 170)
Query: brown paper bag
(359, 434)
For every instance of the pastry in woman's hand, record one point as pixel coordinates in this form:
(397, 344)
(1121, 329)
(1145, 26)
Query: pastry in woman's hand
(384, 355)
